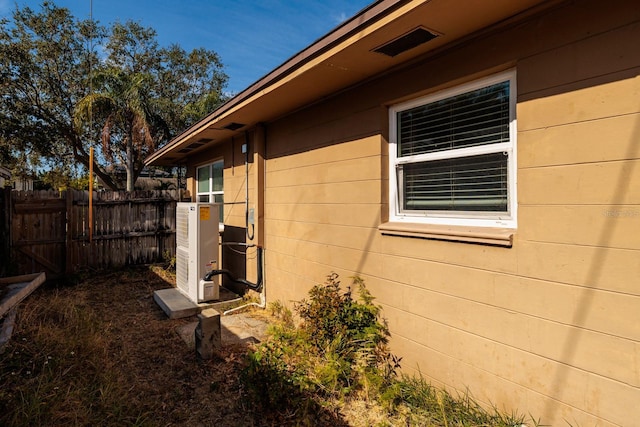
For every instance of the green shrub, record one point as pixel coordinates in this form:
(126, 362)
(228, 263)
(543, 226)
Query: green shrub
(330, 314)
(272, 375)
(339, 348)
(346, 333)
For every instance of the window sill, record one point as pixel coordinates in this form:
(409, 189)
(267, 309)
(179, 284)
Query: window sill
(480, 235)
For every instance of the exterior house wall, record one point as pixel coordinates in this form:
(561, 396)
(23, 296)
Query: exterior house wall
(6, 180)
(548, 326)
(5, 176)
(236, 176)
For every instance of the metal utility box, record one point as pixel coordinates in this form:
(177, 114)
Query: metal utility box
(197, 235)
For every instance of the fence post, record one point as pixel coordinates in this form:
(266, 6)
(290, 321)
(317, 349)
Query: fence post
(70, 226)
(160, 236)
(5, 229)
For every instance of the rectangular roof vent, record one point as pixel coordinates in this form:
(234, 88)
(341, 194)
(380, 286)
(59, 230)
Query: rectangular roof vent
(410, 40)
(233, 126)
(196, 144)
(199, 143)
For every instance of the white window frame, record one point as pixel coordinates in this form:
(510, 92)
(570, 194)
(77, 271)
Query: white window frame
(211, 194)
(456, 218)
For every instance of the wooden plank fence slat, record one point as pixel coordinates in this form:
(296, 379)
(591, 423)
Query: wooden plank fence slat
(5, 230)
(18, 288)
(49, 230)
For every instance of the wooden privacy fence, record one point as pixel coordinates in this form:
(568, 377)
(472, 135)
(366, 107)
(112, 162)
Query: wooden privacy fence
(49, 230)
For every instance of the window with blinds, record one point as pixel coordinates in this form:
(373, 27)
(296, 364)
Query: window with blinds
(453, 153)
(477, 183)
(466, 120)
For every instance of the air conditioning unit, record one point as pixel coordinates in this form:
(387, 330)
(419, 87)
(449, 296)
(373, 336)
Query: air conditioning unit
(197, 234)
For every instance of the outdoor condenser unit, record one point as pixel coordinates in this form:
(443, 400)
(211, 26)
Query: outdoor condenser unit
(197, 250)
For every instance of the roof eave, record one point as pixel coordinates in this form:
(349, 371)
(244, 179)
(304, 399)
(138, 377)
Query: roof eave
(362, 19)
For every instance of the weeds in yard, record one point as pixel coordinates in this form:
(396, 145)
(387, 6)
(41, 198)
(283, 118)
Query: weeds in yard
(101, 352)
(169, 261)
(337, 359)
(56, 371)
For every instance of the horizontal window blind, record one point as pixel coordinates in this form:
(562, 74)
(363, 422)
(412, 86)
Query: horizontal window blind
(469, 119)
(476, 183)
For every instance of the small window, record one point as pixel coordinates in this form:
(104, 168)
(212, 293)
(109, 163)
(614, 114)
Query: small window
(452, 156)
(210, 187)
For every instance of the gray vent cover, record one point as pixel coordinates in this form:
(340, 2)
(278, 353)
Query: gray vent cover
(410, 40)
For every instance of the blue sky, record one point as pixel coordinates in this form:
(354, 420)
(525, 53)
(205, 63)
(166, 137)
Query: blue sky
(251, 37)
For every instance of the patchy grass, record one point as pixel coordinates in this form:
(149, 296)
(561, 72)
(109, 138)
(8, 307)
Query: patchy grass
(101, 352)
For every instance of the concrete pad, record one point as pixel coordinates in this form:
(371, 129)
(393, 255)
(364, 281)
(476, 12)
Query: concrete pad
(235, 329)
(176, 305)
(242, 327)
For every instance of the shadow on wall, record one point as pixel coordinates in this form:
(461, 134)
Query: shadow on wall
(234, 257)
(616, 214)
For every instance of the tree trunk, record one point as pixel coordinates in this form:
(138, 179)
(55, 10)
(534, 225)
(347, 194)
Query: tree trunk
(82, 157)
(130, 163)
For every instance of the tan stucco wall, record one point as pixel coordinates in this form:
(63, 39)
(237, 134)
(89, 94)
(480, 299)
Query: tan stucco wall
(548, 327)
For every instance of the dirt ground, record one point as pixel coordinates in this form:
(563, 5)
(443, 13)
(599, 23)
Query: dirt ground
(101, 352)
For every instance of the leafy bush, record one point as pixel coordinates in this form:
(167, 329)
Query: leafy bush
(339, 348)
(344, 332)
